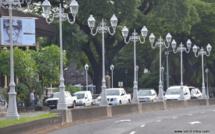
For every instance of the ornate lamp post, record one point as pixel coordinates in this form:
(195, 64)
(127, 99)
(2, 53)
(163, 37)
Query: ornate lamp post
(159, 44)
(86, 67)
(167, 67)
(137, 69)
(12, 105)
(134, 38)
(181, 49)
(46, 6)
(103, 28)
(112, 68)
(207, 71)
(202, 52)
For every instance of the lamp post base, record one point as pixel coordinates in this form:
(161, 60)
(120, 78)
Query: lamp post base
(62, 106)
(135, 94)
(160, 94)
(103, 103)
(12, 113)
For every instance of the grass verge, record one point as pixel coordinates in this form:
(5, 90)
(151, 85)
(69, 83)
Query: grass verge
(4, 123)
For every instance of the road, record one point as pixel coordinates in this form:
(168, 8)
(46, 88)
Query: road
(198, 120)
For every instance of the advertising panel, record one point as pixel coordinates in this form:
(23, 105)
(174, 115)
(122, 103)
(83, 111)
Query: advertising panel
(23, 31)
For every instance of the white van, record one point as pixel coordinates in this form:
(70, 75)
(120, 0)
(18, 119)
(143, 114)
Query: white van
(173, 93)
(84, 98)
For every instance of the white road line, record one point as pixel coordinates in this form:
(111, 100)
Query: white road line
(126, 120)
(202, 112)
(195, 122)
(190, 114)
(214, 110)
(174, 117)
(133, 132)
(142, 126)
(158, 121)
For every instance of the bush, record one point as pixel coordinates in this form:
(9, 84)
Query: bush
(23, 94)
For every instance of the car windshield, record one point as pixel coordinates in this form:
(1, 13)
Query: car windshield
(79, 96)
(193, 91)
(54, 95)
(144, 93)
(173, 91)
(112, 92)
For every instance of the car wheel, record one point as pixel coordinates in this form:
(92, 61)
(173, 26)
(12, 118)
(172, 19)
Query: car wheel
(129, 101)
(120, 102)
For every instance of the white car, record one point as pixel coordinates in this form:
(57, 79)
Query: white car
(84, 98)
(196, 93)
(116, 96)
(147, 95)
(52, 101)
(173, 93)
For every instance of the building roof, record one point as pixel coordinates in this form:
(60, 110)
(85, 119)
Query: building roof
(43, 29)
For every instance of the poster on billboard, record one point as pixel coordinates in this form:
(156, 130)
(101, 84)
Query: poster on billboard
(23, 31)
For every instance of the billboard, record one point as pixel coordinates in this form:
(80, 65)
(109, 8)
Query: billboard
(23, 31)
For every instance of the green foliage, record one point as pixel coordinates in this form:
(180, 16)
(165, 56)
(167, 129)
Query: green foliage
(149, 80)
(23, 93)
(4, 123)
(72, 89)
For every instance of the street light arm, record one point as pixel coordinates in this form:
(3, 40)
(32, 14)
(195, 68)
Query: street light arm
(166, 46)
(111, 33)
(187, 50)
(196, 54)
(144, 40)
(67, 16)
(128, 40)
(207, 53)
(97, 29)
(154, 46)
(49, 21)
(175, 50)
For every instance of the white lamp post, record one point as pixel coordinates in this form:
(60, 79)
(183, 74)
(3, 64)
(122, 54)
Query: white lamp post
(112, 68)
(159, 44)
(202, 52)
(207, 71)
(137, 69)
(181, 49)
(86, 67)
(46, 6)
(103, 28)
(134, 38)
(12, 105)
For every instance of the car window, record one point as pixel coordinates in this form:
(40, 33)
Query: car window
(112, 92)
(144, 93)
(79, 96)
(173, 91)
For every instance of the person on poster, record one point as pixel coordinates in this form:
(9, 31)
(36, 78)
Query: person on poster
(16, 31)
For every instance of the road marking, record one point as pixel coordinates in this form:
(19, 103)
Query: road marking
(158, 121)
(214, 110)
(126, 120)
(142, 126)
(190, 114)
(195, 122)
(133, 132)
(174, 117)
(202, 112)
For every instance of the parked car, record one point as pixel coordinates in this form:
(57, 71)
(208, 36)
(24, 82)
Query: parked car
(116, 96)
(84, 98)
(173, 93)
(148, 95)
(52, 101)
(196, 93)
(95, 96)
(3, 103)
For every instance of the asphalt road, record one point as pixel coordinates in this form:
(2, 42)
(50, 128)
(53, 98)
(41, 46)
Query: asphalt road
(198, 120)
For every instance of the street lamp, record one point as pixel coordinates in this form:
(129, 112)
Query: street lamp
(86, 67)
(202, 52)
(207, 71)
(137, 69)
(159, 44)
(162, 76)
(112, 68)
(12, 105)
(103, 28)
(181, 49)
(46, 6)
(167, 67)
(134, 38)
